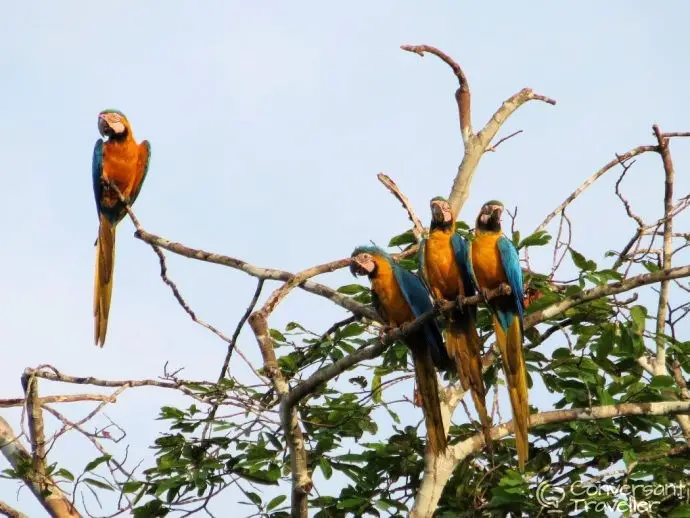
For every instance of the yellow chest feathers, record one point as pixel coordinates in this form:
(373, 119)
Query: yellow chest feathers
(395, 308)
(442, 272)
(486, 260)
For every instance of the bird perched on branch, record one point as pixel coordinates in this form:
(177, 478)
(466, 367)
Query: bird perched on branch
(443, 261)
(494, 261)
(400, 296)
(120, 161)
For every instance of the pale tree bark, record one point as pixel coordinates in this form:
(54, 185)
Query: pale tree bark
(476, 144)
(49, 495)
(6, 510)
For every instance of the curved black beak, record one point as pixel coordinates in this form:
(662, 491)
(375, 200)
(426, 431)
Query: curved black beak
(103, 127)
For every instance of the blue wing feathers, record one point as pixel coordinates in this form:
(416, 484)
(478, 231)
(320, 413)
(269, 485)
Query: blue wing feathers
(97, 171)
(462, 258)
(417, 297)
(511, 266)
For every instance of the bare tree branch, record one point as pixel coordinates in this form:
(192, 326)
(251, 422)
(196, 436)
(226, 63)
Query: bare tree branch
(6, 510)
(589, 181)
(475, 144)
(70, 398)
(479, 143)
(462, 94)
(604, 291)
(418, 228)
(261, 273)
(501, 141)
(371, 351)
(660, 361)
(35, 418)
(49, 495)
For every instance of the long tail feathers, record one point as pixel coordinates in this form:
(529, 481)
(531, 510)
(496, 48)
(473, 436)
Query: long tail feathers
(464, 346)
(103, 282)
(427, 385)
(510, 343)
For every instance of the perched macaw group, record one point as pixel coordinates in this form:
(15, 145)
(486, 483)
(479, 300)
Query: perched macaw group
(452, 268)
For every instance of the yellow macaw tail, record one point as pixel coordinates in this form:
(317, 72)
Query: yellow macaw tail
(464, 347)
(427, 385)
(510, 344)
(103, 282)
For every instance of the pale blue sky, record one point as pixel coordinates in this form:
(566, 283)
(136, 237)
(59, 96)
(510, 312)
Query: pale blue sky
(268, 123)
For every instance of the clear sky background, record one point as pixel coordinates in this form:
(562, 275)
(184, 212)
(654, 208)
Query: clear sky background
(268, 123)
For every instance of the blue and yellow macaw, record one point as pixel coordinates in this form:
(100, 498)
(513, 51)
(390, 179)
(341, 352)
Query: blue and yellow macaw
(443, 261)
(400, 296)
(125, 163)
(495, 260)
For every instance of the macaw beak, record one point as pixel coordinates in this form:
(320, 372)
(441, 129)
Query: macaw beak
(441, 213)
(103, 127)
(361, 268)
(354, 267)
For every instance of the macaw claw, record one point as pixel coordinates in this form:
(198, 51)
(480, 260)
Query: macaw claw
(438, 305)
(484, 293)
(461, 304)
(384, 330)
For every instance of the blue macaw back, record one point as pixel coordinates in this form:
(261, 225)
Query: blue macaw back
(417, 297)
(511, 266)
(462, 258)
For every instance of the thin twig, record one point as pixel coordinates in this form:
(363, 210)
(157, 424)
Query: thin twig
(589, 181)
(71, 398)
(501, 141)
(418, 228)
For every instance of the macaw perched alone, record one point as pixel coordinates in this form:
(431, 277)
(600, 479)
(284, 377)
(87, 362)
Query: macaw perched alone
(443, 261)
(125, 163)
(495, 260)
(400, 296)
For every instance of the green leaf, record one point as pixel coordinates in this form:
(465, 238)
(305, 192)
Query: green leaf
(376, 388)
(350, 503)
(661, 382)
(682, 511)
(256, 499)
(97, 483)
(277, 335)
(639, 317)
(326, 468)
(582, 263)
(561, 353)
(97, 462)
(537, 239)
(650, 266)
(629, 457)
(516, 237)
(351, 289)
(351, 330)
(62, 472)
(405, 238)
(291, 326)
(275, 502)
(131, 486)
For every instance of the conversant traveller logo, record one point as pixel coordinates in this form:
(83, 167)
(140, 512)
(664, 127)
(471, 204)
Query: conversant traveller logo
(641, 497)
(549, 496)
